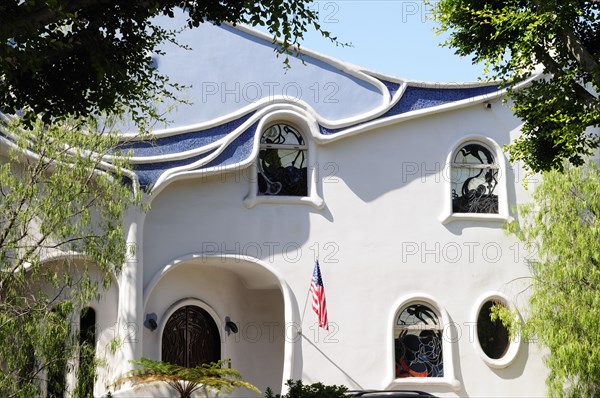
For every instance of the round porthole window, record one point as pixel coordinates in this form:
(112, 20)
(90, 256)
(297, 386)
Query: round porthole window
(493, 340)
(492, 334)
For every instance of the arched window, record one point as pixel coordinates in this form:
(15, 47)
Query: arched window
(282, 162)
(474, 179)
(191, 338)
(418, 342)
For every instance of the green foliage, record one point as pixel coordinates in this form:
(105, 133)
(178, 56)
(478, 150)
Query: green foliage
(86, 374)
(61, 243)
(72, 57)
(207, 377)
(317, 390)
(562, 226)
(514, 37)
(88, 361)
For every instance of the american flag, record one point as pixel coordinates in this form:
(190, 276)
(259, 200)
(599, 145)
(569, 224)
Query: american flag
(319, 304)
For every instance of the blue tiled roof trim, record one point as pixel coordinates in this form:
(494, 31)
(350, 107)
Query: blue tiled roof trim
(415, 98)
(184, 142)
(328, 131)
(239, 150)
(392, 87)
(149, 173)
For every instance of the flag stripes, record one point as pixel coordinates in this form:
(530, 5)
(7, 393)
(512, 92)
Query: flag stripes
(317, 290)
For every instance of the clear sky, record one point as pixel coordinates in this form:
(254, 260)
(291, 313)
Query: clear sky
(390, 36)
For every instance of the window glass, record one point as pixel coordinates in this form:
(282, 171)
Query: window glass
(493, 335)
(282, 162)
(418, 343)
(474, 179)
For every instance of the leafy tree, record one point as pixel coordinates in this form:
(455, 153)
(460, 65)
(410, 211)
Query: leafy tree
(562, 226)
(82, 57)
(513, 38)
(206, 377)
(59, 201)
(297, 389)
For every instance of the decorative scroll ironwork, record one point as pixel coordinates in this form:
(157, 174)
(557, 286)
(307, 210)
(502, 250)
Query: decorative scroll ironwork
(418, 343)
(282, 162)
(191, 338)
(474, 180)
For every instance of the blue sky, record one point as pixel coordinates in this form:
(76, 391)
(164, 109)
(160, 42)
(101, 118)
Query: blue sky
(390, 36)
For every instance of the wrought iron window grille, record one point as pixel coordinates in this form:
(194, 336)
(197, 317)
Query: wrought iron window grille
(282, 162)
(418, 343)
(474, 179)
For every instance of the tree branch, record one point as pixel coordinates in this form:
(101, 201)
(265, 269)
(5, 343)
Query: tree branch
(41, 16)
(581, 54)
(555, 68)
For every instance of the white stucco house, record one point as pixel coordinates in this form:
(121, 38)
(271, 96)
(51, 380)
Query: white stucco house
(399, 188)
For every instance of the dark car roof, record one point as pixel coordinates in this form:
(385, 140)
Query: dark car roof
(388, 394)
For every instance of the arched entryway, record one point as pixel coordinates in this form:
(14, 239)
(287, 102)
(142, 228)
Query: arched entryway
(191, 338)
(239, 290)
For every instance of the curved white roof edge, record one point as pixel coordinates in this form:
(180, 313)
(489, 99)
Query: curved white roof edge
(349, 67)
(369, 76)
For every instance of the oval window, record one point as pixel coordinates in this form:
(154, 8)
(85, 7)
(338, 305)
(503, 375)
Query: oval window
(493, 336)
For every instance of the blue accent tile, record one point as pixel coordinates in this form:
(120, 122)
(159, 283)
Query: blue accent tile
(184, 142)
(415, 98)
(239, 150)
(149, 173)
(392, 87)
(328, 131)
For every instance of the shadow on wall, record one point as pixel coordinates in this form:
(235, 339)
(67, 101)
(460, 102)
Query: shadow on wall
(210, 218)
(389, 158)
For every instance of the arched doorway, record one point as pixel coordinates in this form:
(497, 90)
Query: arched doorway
(250, 294)
(191, 338)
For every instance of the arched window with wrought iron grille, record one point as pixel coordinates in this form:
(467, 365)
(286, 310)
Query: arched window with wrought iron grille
(474, 179)
(282, 162)
(418, 342)
(191, 337)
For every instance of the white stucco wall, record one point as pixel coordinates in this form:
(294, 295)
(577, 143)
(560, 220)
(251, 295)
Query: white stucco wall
(226, 69)
(378, 239)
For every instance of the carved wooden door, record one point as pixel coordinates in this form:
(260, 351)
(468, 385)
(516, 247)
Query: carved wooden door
(190, 338)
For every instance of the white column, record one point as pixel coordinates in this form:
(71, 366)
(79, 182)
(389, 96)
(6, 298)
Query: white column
(131, 290)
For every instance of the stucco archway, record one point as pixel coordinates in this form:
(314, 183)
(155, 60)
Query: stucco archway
(232, 288)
